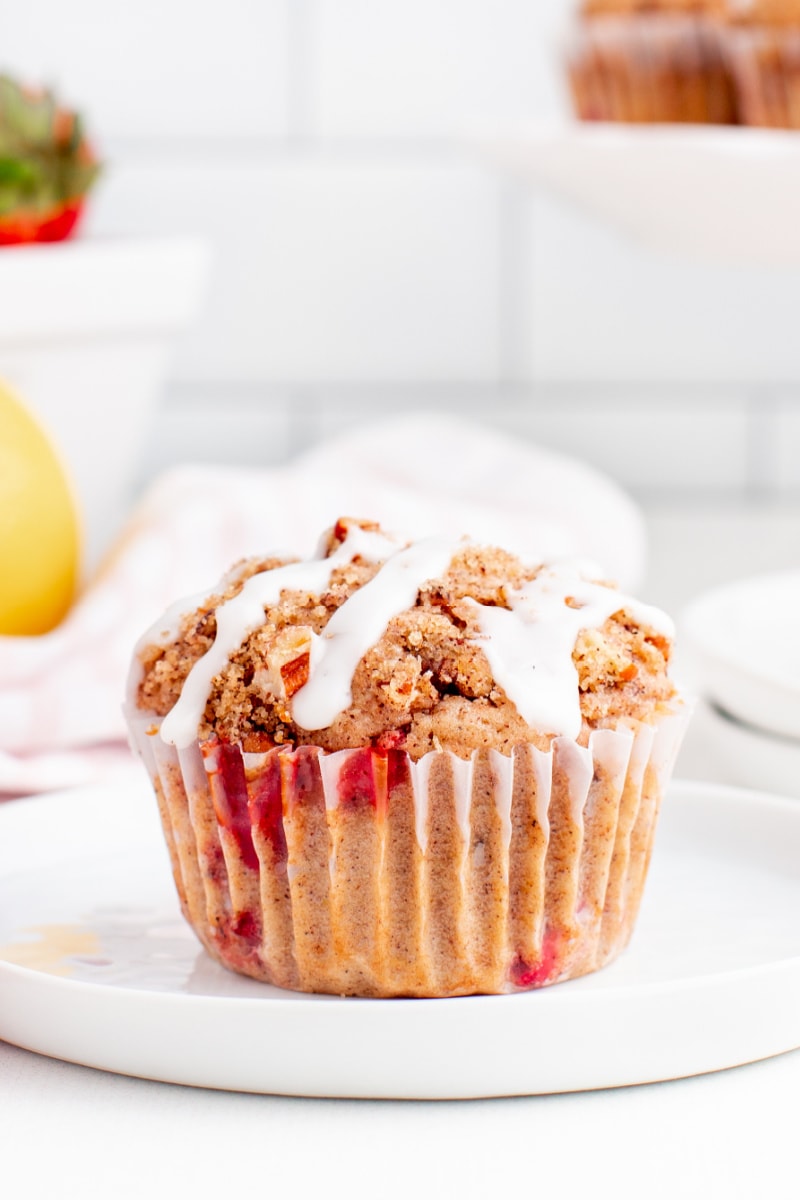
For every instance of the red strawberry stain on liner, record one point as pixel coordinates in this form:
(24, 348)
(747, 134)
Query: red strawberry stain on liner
(246, 925)
(266, 804)
(356, 786)
(302, 778)
(530, 975)
(228, 783)
(369, 776)
(398, 771)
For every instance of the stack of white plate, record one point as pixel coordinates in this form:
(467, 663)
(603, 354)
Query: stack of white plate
(742, 648)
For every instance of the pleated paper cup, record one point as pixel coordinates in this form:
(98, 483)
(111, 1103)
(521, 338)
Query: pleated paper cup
(766, 66)
(650, 68)
(362, 872)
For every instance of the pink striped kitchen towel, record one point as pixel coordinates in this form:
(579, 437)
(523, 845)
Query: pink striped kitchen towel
(60, 694)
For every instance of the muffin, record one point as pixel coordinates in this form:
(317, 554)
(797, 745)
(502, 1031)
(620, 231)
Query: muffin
(408, 769)
(651, 61)
(764, 53)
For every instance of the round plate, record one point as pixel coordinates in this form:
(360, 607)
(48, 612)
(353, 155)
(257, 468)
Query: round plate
(744, 756)
(742, 645)
(720, 192)
(97, 967)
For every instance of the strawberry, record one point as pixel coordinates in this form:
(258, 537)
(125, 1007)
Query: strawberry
(46, 166)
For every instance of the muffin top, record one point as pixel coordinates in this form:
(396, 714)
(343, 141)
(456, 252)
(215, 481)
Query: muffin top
(595, 8)
(419, 646)
(763, 12)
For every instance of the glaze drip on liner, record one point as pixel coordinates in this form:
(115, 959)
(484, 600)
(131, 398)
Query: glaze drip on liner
(528, 645)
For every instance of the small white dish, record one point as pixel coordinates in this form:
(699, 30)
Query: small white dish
(744, 756)
(86, 330)
(742, 648)
(97, 967)
(723, 193)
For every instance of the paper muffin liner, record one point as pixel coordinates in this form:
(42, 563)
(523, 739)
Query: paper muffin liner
(650, 68)
(765, 64)
(362, 872)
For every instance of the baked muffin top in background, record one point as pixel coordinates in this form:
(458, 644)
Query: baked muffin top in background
(592, 8)
(435, 645)
(763, 12)
(737, 12)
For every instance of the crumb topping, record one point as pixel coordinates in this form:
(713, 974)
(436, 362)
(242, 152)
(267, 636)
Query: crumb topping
(425, 684)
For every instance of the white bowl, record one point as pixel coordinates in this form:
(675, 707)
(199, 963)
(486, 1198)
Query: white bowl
(86, 328)
(742, 647)
(736, 753)
(724, 192)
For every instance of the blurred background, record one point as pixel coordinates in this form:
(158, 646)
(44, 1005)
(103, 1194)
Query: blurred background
(365, 260)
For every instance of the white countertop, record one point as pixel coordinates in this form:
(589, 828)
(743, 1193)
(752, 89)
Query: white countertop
(69, 1131)
(72, 1131)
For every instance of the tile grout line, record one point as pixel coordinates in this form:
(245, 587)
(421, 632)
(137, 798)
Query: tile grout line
(762, 410)
(572, 393)
(304, 405)
(511, 288)
(300, 139)
(299, 89)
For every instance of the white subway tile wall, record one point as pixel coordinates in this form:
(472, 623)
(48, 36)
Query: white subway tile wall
(598, 305)
(379, 68)
(785, 441)
(366, 260)
(700, 442)
(159, 68)
(647, 437)
(203, 426)
(329, 270)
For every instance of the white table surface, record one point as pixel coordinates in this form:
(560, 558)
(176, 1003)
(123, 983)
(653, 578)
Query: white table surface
(70, 1131)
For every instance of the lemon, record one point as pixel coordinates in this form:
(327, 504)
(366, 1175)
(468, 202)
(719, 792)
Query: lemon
(39, 530)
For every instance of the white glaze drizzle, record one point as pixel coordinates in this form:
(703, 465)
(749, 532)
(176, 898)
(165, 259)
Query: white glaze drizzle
(359, 623)
(542, 763)
(160, 633)
(330, 766)
(529, 645)
(463, 770)
(238, 617)
(503, 771)
(420, 779)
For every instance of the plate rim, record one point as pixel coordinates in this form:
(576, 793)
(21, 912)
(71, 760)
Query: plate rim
(680, 788)
(561, 1002)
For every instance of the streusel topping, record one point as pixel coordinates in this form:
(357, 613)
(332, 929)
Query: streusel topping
(404, 646)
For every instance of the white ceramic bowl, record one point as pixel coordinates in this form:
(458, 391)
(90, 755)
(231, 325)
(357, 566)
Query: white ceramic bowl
(739, 206)
(742, 647)
(736, 753)
(86, 329)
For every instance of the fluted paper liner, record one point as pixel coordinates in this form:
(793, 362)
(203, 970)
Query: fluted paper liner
(650, 67)
(362, 872)
(766, 66)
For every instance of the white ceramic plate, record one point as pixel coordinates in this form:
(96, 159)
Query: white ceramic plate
(743, 649)
(97, 967)
(723, 193)
(742, 755)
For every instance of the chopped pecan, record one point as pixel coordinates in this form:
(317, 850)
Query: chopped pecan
(287, 664)
(294, 674)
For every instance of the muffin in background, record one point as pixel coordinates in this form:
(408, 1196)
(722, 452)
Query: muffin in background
(408, 769)
(648, 61)
(763, 45)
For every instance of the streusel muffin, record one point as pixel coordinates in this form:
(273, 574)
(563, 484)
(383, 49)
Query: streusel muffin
(764, 52)
(651, 61)
(425, 769)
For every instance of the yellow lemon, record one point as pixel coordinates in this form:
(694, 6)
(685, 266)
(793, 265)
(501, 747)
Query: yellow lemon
(39, 530)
